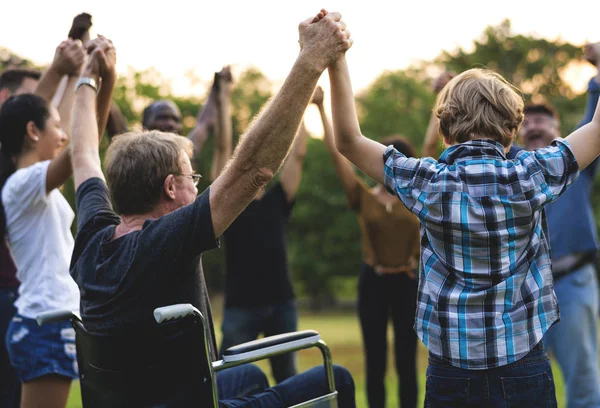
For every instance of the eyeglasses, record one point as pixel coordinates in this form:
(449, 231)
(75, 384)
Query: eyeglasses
(195, 178)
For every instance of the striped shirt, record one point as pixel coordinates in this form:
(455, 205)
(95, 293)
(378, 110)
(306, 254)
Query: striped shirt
(486, 293)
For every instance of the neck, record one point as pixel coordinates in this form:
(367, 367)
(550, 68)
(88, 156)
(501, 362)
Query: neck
(135, 222)
(27, 159)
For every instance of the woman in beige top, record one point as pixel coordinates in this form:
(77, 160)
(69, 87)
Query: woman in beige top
(387, 285)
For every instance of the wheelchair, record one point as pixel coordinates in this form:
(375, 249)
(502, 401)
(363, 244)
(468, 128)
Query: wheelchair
(170, 366)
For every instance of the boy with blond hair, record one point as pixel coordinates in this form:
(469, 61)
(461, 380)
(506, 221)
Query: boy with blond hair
(486, 293)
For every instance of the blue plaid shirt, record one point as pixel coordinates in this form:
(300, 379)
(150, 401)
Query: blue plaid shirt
(486, 293)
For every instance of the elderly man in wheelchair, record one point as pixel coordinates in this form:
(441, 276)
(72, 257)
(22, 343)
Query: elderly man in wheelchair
(146, 335)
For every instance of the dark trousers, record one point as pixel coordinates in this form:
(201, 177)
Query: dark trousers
(379, 298)
(10, 387)
(246, 386)
(526, 383)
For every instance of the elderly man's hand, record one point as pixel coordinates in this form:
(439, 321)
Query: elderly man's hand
(323, 39)
(591, 52)
(69, 58)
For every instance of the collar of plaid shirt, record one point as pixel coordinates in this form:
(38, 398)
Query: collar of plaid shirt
(485, 287)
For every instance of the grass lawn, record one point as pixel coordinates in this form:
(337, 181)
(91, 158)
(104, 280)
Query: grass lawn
(342, 334)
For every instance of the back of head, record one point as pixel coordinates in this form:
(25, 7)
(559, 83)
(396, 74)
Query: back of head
(137, 165)
(15, 114)
(402, 144)
(479, 104)
(12, 79)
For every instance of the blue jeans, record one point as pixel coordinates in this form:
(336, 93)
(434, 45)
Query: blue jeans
(573, 341)
(247, 386)
(526, 383)
(241, 325)
(10, 387)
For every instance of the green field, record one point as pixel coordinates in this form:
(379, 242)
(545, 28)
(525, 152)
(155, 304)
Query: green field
(342, 334)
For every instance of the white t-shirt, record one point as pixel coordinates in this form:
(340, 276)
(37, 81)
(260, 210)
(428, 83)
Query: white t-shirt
(39, 235)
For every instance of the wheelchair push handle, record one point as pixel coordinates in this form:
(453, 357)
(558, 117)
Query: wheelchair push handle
(166, 313)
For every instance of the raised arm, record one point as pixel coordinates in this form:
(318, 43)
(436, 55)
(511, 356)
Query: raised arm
(68, 58)
(291, 171)
(116, 123)
(261, 150)
(109, 79)
(206, 119)
(223, 131)
(85, 136)
(343, 168)
(364, 153)
(59, 169)
(585, 141)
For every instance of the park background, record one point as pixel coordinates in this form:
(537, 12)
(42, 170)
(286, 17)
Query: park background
(393, 62)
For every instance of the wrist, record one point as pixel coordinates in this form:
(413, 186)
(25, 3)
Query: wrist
(309, 64)
(88, 73)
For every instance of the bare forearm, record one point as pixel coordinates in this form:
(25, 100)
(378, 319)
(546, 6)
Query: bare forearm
(116, 123)
(223, 135)
(48, 84)
(199, 134)
(267, 142)
(343, 168)
(345, 123)
(104, 101)
(84, 144)
(65, 107)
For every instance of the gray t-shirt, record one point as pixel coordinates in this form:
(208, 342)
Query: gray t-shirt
(123, 280)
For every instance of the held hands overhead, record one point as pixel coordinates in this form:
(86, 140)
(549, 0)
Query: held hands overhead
(323, 39)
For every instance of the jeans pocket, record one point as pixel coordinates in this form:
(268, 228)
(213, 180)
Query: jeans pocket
(534, 391)
(446, 392)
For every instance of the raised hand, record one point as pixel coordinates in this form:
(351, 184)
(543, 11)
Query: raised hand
(69, 58)
(440, 82)
(80, 27)
(317, 97)
(323, 39)
(103, 58)
(224, 80)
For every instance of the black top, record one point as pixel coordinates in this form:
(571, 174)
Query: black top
(122, 281)
(256, 253)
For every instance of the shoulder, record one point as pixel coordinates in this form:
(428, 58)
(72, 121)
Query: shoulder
(26, 182)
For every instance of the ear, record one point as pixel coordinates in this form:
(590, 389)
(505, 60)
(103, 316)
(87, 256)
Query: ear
(447, 141)
(169, 186)
(33, 133)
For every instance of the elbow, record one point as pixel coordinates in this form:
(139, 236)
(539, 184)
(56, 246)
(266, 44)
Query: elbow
(259, 177)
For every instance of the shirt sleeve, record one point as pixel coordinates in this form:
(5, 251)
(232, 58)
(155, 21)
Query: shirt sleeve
(558, 166)
(26, 187)
(186, 232)
(94, 209)
(400, 174)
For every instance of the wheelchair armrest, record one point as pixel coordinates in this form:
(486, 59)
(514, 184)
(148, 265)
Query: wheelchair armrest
(267, 346)
(166, 313)
(54, 316)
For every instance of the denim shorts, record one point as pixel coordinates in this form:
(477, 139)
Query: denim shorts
(36, 351)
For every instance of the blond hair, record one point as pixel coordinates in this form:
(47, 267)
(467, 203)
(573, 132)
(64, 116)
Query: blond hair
(137, 165)
(479, 104)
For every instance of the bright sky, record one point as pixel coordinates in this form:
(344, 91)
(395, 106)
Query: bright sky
(178, 37)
